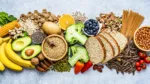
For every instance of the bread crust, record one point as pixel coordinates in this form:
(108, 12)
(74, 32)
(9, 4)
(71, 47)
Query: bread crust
(106, 57)
(102, 47)
(97, 57)
(115, 43)
(110, 45)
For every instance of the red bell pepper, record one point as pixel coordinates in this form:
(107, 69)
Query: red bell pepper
(78, 67)
(86, 66)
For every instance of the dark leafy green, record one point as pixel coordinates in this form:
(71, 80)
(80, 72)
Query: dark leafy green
(62, 65)
(5, 18)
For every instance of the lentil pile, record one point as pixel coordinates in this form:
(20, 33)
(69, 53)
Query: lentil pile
(125, 62)
(110, 21)
(142, 38)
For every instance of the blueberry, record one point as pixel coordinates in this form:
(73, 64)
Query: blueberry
(97, 27)
(85, 29)
(94, 24)
(90, 22)
(90, 25)
(87, 24)
(94, 29)
(88, 32)
(95, 21)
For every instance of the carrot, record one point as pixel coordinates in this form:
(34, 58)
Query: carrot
(4, 30)
(78, 67)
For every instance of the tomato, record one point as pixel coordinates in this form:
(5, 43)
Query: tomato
(147, 59)
(142, 54)
(137, 64)
(142, 62)
(144, 66)
(138, 68)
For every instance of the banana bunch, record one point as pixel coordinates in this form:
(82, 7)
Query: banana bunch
(4, 39)
(10, 59)
(2, 68)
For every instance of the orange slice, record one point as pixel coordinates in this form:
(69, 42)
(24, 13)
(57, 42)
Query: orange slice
(65, 21)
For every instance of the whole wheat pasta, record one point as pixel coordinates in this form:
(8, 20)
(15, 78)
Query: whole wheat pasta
(130, 22)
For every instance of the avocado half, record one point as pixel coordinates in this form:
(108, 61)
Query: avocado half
(20, 43)
(36, 48)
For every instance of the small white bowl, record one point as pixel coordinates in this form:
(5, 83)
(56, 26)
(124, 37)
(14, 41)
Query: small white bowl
(136, 42)
(100, 26)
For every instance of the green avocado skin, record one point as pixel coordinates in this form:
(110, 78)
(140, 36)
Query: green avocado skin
(36, 48)
(16, 46)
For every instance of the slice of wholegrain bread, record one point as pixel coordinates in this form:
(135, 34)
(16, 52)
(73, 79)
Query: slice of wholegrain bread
(120, 38)
(108, 49)
(112, 41)
(95, 50)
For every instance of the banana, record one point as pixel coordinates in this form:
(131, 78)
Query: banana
(6, 61)
(15, 57)
(2, 68)
(4, 39)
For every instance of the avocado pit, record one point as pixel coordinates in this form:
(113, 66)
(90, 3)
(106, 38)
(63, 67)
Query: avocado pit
(29, 52)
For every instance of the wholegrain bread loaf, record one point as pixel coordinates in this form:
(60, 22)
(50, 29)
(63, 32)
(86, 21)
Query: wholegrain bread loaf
(95, 50)
(108, 49)
(120, 38)
(112, 41)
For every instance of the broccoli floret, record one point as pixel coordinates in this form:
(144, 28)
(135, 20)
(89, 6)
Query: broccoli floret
(74, 34)
(79, 53)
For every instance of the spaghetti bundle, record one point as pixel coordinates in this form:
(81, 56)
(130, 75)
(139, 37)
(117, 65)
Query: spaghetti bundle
(130, 22)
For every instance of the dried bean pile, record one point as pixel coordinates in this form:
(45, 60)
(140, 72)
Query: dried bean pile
(125, 62)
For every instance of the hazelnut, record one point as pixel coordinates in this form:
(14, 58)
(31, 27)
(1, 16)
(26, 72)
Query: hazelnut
(44, 10)
(29, 52)
(46, 15)
(35, 61)
(50, 18)
(35, 11)
(41, 57)
(42, 20)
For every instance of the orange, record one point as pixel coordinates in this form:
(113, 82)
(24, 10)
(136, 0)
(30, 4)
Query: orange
(65, 21)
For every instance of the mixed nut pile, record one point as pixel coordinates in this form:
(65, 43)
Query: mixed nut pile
(110, 20)
(39, 18)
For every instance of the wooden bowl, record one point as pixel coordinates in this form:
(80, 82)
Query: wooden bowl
(136, 42)
(56, 51)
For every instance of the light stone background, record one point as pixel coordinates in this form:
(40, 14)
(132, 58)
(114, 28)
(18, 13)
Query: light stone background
(92, 8)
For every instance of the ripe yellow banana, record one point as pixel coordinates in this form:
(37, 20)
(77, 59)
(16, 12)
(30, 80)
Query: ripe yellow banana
(6, 61)
(15, 57)
(4, 39)
(2, 68)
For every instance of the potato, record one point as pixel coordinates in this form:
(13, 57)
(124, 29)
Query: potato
(51, 28)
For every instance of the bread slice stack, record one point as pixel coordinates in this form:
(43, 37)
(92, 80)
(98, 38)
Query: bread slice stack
(105, 46)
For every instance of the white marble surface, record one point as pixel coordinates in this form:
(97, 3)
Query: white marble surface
(92, 8)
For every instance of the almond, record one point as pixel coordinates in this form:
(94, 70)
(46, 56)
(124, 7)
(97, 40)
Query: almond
(39, 68)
